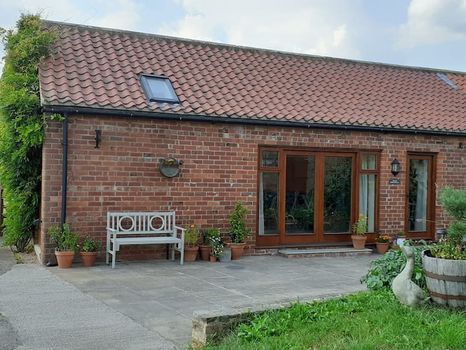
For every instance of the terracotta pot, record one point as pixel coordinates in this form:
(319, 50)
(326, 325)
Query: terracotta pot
(359, 241)
(236, 250)
(64, 259)
(88, 258)
(205, 252)
(213, 258)
(190, 253)
(382, 248)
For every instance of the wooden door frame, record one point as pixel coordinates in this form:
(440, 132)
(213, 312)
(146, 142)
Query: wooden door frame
(430, 224)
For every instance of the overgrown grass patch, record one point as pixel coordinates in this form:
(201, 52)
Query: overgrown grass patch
(368, 320)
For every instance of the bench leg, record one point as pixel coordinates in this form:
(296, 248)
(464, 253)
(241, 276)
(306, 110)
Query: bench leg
(172, 252)
(107, 251)
(113, 256)
(181, 254)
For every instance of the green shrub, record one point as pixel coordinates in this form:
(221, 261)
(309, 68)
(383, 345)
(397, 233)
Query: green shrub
(192, 236)
(21, 127)
(210, 234)
(383, 270)
(238, 229)
(90, 245)
(64, 239)
(454, 203)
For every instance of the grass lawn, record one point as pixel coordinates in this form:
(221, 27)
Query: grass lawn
(368, 320)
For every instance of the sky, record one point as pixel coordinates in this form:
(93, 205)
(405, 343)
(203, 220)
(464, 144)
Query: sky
(427, 33)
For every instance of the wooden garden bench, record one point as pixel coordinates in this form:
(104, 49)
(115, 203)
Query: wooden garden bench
(132, 228)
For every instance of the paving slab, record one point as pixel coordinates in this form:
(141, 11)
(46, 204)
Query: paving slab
(162, 295)
(50, 313)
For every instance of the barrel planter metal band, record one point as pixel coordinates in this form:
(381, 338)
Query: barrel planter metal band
(446, 280)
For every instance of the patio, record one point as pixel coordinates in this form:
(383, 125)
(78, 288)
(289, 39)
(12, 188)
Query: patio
(161, 295)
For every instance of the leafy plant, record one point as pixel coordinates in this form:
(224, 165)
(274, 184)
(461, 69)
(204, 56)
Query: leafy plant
(209, 234)
(452, 247)
(21, 127)
(360, 227)
(216, 246)
(238, 229)
(64, 239)
(383, 270)
(90, 245)
(192, 236)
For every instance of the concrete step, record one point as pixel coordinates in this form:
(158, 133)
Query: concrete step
(319, 252)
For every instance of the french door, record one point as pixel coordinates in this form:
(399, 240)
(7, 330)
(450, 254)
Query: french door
(310, 200)
(420, 196)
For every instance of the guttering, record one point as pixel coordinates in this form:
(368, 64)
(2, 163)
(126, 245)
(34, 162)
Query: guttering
(239, 120)
(64, 176)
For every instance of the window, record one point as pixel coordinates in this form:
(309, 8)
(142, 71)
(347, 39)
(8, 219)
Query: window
(368, 189)
(158, 89)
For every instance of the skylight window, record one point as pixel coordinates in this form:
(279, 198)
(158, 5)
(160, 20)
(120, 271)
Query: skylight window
(443, 77)
(158, 89)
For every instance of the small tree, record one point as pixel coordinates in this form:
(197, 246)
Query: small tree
(238, 229)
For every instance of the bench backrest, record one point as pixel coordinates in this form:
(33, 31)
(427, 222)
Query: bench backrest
(142, 222)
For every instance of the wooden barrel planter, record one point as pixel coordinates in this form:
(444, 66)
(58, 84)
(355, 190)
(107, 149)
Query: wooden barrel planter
(446, 280)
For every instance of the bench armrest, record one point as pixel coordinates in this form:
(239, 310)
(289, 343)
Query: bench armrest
(178, 228)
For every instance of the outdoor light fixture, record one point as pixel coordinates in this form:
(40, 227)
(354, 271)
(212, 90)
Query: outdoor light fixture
(98, 138)
(395, 167)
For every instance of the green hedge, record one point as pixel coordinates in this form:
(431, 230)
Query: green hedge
(21, 127)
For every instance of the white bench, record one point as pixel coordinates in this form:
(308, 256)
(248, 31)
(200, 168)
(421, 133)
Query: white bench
(132, 228)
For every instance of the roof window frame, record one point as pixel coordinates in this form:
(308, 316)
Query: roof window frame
(143, 79)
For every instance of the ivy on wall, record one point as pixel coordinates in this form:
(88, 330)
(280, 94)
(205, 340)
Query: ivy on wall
(21, 127)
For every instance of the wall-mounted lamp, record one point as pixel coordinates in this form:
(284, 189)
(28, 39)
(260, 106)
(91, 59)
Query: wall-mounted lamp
(98, 138)
(395, 167)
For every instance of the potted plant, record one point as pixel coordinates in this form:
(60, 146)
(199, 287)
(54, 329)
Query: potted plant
(66, 245)
(205, 248)
(445, 263)
(359, 233)
(89, 249)
(216, 248)
(238, 230)
(191, 243)
(382, 243)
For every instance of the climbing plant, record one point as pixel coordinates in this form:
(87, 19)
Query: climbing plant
(21, 127)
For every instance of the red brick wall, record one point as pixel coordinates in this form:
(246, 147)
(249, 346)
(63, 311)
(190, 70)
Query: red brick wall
(220, 168)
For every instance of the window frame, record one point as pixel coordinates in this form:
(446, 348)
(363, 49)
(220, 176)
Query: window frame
(143, 79)
(375, 172)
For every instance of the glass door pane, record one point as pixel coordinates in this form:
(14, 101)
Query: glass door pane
(268, 203)
(338, 172)
(367, 184)
(418, 194)
(299, 205)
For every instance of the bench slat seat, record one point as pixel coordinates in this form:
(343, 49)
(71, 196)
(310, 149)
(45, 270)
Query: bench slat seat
(136, 228)
(146, 240)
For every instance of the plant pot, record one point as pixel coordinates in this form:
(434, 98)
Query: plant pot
(190, 253)
(236, 250)
(359, 241)
(88, 258)
(213, 258)
(226, 256)
(445, 279)
(382, 248)
(64, 259)
(205, 252)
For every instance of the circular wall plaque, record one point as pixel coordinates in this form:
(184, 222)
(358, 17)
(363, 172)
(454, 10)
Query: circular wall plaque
(169, 167)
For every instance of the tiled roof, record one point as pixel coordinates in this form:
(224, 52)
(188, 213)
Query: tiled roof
(99, 68)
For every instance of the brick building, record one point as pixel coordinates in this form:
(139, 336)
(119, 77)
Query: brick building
(307, 143)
